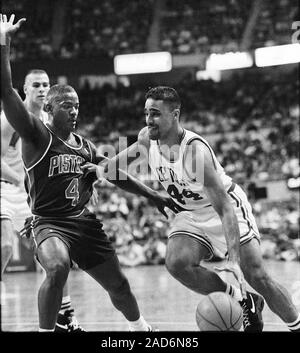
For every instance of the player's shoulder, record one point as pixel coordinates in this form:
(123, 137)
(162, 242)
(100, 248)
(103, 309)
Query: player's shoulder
(194, 139)
(191, 136)
(143, 136)
(44, 117)
(89, 145)
(86, 142)
(143, 133)
(197, 146)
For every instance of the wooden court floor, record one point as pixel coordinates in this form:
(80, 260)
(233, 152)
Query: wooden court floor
(163, 301)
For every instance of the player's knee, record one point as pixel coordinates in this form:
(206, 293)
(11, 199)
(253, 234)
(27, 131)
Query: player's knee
(57, 273)
(256, 275)
(177, 265)
(119, 289)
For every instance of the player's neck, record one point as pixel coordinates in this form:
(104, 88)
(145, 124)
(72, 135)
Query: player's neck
(173, 137)
(34, 108)
(64, 135)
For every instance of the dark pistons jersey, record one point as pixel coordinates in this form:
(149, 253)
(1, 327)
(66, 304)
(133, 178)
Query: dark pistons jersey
(55, 184)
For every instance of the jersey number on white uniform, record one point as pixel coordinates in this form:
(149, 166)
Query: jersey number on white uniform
(174, 192)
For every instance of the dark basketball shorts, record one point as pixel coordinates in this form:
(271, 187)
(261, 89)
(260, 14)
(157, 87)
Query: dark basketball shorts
(84, 237)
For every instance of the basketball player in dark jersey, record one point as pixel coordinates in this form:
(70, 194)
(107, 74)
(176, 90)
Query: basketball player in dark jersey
(58, 191)
(14, 206)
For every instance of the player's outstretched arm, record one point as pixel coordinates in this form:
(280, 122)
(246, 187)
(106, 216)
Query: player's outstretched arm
(138, 151)
(109, 169)
(13, 107)
(130, 184)
(112, 169)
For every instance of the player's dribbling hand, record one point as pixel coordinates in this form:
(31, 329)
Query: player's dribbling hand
(234, 268)
(7, 27)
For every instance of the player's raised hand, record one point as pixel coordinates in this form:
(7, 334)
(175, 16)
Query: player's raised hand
(7, 27)
(235, 269)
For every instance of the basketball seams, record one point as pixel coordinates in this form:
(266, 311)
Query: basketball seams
(211, 323)
(238, 319)
(229, 300)
(232, 324)
(217, 310)
(216, 303)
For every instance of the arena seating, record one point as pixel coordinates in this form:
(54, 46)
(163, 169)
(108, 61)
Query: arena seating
(93, 28)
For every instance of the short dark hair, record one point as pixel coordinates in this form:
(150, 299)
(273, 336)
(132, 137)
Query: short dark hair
(35, 71)
(166, 94)
(58, 90)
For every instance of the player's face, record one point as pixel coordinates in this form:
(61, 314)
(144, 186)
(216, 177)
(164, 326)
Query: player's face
(36, 88)
(159, 118)
(65, 111)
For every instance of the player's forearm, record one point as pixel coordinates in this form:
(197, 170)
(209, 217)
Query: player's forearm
(13, 106)
(132, 185)
(232, 233)
(6, 80)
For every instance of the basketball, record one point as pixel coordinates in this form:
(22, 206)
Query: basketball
(218, 311)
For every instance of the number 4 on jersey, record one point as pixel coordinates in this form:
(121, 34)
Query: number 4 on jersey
(72, 192)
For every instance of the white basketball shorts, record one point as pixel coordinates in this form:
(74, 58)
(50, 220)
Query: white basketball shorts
(205, 225)
(14, 204)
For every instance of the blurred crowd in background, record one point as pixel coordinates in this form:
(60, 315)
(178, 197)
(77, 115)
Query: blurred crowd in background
(81, 28)
(251, 120)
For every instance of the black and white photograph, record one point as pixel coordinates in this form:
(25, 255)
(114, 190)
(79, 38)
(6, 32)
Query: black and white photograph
(150, 170)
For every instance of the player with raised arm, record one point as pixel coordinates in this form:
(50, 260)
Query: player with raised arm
(14, 207)
(64, 229)
(215, 213)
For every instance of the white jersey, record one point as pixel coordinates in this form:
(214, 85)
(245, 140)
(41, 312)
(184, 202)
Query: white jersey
(185, 191)
(13, 155)
(13, 198)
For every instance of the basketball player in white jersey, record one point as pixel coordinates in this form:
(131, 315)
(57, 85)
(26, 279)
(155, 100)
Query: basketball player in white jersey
(215, 213)
(14, 207)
